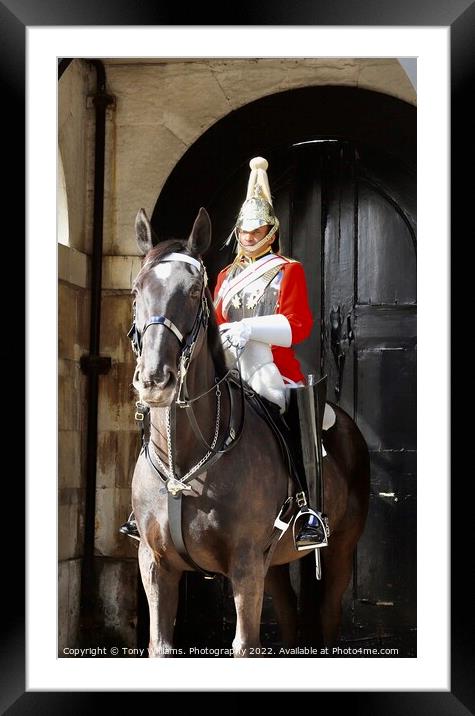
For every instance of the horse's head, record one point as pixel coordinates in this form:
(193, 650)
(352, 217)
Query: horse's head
(171, 306)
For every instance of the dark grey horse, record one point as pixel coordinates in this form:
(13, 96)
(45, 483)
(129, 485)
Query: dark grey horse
(228, 514)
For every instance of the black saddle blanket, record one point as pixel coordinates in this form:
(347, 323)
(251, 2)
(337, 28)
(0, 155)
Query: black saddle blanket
(287, 436)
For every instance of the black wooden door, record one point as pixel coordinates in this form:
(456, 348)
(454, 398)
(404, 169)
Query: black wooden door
(369, 354)
(361, 263)
(348, 213)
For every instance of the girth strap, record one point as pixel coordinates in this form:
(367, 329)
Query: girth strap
(176, 532)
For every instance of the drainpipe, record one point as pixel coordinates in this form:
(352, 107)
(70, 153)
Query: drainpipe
(93, 364)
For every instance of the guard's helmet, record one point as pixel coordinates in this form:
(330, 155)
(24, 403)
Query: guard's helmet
(257, 210)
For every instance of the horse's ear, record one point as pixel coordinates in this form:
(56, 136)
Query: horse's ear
(146, 237)
(200, 237)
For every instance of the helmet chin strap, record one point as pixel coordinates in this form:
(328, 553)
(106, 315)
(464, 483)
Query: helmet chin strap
(256, 247)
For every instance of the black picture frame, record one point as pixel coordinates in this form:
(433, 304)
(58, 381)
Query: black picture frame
(459, 15)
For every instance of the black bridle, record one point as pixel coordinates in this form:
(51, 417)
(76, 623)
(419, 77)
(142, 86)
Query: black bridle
(188, 344)
(201, 318)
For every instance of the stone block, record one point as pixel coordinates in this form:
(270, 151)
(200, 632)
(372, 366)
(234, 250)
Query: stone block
(84, 321)
(69, 597)
(116, 613)
(387, 76)
(107, 455)
(71, 386)
(74, 319)
(118, 272)
(74, 602)
(64, 253)
(73, 266)
(79, 268)
(145, 156)
(128, 450)
(320, 71)
(117, 453)
(183, 96)
(70, 522)
(67, 321)
(63, 606)
(244, 80)
(115, 324)
(117, 398)
(69, 459)
(113, 506)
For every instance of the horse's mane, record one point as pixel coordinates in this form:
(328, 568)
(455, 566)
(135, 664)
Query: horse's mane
(214, 339)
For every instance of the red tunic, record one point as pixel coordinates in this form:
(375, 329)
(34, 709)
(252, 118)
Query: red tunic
(293, 304)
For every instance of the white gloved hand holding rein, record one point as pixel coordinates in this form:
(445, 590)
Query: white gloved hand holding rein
(234, 335)
(250, 341)
(274, 330)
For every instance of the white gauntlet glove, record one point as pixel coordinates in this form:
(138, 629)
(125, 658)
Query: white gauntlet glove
(274, 330)
(256, 335)
(234, 335)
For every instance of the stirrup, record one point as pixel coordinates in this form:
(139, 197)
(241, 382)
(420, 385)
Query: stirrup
(130, 527)
(322, 520)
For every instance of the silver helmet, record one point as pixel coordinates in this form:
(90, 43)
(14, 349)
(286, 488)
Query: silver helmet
(257, 209)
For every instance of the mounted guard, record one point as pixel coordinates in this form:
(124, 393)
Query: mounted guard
(262, 310)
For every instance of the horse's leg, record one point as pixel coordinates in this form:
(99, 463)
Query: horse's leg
(284, 601)
(161, 587)
(247, 579)
(337, 569)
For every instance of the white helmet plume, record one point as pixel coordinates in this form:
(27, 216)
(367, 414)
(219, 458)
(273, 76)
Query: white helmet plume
(258, 184)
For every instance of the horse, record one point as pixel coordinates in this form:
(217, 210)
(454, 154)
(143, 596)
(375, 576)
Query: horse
(229, 509)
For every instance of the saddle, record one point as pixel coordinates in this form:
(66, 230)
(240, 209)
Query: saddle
(286, 437)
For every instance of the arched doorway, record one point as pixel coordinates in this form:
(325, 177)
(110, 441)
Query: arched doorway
(342, 171)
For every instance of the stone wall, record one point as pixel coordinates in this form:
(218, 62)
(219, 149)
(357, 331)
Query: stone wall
(118, 448)
(73, 330)
(73, 341)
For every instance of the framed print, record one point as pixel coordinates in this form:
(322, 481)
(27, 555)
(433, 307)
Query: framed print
(43, 41)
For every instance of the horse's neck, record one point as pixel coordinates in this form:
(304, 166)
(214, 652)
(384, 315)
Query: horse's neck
(188, 448)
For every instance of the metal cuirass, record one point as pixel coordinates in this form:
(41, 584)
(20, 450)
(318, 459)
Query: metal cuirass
(258, 298)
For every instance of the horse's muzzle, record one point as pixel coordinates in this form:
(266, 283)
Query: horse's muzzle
(158, 391)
